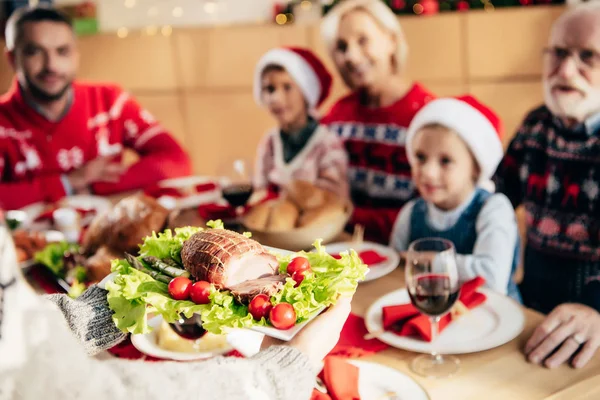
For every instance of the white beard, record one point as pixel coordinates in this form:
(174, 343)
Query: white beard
(570, 105)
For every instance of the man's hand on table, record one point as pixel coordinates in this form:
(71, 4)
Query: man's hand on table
(101, 169)
(570, 329)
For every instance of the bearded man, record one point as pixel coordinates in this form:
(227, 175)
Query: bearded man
(552, 168)
(60, 137)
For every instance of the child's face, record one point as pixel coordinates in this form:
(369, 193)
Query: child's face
(444, 169)
(283, 98)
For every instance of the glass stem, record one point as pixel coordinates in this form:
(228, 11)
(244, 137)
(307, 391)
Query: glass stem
(434, 334)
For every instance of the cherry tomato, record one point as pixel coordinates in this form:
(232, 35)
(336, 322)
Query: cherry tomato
(298, 264)
(299, 276)
(260, 306)
(179, 288)
(283, 316)
(200, 292)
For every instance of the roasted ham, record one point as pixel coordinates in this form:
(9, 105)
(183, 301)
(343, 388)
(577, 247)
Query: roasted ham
(226, 259)
(246, 291)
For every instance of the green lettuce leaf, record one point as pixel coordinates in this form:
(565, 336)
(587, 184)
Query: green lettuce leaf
(134, 295)
(167, 244)
(52, 256)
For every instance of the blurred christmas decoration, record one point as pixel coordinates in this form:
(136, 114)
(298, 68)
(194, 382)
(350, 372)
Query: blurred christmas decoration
(429, 7)
(299, 11)
(83, 13)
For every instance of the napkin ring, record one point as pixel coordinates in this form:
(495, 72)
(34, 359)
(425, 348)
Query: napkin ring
(459, 309)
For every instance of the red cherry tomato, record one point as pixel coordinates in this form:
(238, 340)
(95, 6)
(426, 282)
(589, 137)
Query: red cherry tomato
(298, 264)
(283, 316)
(179, 288)
(200, 292)
(299, 276)
(260, 306)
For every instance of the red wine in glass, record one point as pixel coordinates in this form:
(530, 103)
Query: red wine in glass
(238, 194)
(189, 328)
(433, 294)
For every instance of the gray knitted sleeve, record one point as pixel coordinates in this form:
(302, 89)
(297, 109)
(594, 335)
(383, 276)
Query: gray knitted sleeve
(90, 319)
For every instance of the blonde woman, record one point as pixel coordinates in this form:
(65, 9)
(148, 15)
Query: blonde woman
(367, 44)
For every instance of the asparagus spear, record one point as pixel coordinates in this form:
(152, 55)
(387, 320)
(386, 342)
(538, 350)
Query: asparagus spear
(135, 263)
(165, 268)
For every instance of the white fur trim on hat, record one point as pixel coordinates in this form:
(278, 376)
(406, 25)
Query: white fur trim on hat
(295, 65)
(471, 125)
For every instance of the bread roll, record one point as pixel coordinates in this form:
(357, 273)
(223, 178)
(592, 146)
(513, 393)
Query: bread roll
(306, 195)
(334, 209)
(258, 216)
(284, 215)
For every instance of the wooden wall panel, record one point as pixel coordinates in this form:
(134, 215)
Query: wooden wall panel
(436, 47)
(6, 73)
(222, 127)
(508, 42)
(512, 101)
(445, 89)
(230, 53)
(136, 62)
(166, 108)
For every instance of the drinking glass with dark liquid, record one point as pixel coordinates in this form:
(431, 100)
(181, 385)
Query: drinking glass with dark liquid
(236, 184)
(433, 287)
(189, 328)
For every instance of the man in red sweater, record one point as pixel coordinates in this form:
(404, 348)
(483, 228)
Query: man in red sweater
(60, 137)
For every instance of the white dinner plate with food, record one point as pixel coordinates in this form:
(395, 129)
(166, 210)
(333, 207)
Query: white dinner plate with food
(164, 343)
(94, 204)
(378, 382)
(378, 270)
(190, 196)
(496, 322)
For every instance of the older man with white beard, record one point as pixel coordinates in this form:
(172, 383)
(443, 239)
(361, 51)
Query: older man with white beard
(552, 167)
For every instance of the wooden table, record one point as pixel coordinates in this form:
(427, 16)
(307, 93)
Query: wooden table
(498, 374)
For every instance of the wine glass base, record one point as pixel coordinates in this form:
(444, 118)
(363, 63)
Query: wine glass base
(435, 367)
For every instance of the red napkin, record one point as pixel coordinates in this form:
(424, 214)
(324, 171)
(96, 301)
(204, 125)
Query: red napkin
(341, 379)
(406, 320)
(369, 257)
(352, 343)
(226, 212)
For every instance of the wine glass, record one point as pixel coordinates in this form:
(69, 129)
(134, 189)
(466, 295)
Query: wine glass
(236, 183)
(432, 283)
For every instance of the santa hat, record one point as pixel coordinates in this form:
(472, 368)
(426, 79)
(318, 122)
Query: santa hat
(476, 124)
(304, 67)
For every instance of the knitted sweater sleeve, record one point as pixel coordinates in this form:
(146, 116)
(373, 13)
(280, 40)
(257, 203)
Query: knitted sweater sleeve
(494, 248)
(507, 177)
(332, 172)
(161, 157)
(90, 319)
(280, 372)
(263, 162)
(400, 238)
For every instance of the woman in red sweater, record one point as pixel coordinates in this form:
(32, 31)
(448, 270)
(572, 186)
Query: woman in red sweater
(367, 44)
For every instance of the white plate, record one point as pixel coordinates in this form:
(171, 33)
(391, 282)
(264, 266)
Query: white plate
(375, 380)
(377, 270)
(496, 322)
(97, 203)
(246, 342)
(192, 201)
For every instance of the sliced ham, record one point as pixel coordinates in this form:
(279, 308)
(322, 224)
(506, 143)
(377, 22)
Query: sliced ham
(225, 258)
(245, 291)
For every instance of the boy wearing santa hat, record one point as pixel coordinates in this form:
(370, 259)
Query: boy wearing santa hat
(453, 146)
(292, 83)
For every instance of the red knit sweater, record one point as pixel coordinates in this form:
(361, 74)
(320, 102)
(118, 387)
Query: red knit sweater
(379, 171)
(102, 121)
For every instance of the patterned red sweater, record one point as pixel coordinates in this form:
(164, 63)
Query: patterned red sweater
(102, 121)
(379, 172)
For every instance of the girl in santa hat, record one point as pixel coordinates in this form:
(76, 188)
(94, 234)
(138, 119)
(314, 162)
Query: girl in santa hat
(291, 83)
(453, 146)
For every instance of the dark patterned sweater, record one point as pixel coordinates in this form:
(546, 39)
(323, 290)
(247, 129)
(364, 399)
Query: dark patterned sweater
(555, 173)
